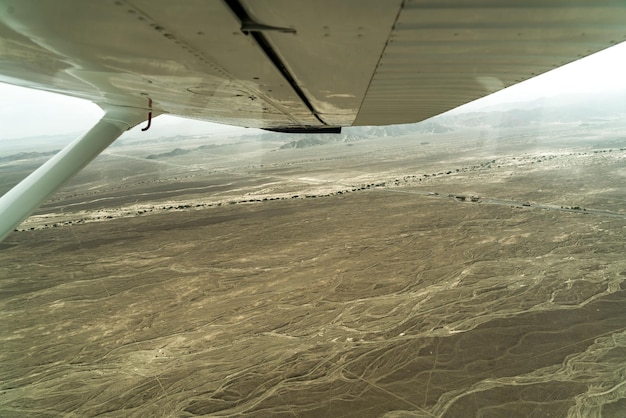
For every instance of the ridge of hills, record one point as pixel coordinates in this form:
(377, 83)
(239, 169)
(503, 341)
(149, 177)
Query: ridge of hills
(566, 108)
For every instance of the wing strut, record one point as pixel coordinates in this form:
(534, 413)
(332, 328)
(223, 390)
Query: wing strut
(24, 198)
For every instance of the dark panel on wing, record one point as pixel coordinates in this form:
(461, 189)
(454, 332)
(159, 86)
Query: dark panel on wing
(307, 130)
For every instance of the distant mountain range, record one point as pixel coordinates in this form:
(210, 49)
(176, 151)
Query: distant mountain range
(27, 155)
(566, 108)
(559, 109)
(358, 133)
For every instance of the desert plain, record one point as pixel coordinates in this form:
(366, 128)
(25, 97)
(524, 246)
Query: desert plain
(457, 274)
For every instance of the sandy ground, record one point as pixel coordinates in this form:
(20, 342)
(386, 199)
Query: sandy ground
(377, 291)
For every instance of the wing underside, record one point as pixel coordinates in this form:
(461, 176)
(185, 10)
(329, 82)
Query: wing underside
(286, 64)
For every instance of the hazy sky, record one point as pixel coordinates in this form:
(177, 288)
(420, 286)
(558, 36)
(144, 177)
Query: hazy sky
(25, 112)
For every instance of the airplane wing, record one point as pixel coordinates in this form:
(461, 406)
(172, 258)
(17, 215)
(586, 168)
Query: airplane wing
(294, 63)
(286, 65)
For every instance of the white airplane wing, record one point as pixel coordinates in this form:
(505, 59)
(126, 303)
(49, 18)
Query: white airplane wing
(294, 63)
(287, 65)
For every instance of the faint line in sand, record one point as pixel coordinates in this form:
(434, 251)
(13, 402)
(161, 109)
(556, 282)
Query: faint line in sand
(83, 249)
(374, 385)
